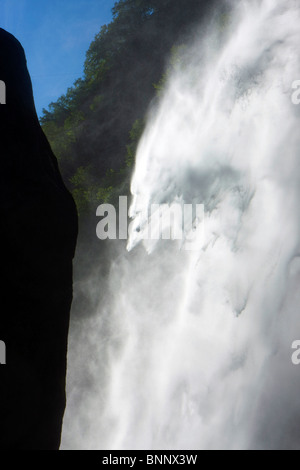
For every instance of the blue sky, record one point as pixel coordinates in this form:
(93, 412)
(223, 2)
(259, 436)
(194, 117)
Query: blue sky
(55, 35)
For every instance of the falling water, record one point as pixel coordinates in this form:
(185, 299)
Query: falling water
(192, 349)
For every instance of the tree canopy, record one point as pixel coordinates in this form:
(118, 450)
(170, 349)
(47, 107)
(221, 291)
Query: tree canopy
(94, 128)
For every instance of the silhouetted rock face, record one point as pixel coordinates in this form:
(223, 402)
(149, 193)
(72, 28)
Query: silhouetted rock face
(38, 232)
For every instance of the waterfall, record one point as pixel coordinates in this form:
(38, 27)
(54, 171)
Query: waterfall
(191, 349)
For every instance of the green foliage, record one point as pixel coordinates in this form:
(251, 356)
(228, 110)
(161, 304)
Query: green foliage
(96, 102)
(57, 140)
(176, 63)
(135, 135)
(94, 129)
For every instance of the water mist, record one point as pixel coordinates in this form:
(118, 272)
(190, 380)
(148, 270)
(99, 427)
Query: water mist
(192, 349)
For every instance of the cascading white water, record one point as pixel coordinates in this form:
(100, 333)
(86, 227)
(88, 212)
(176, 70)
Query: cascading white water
(192, 349)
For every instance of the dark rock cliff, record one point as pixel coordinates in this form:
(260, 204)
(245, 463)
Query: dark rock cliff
(38, 232)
